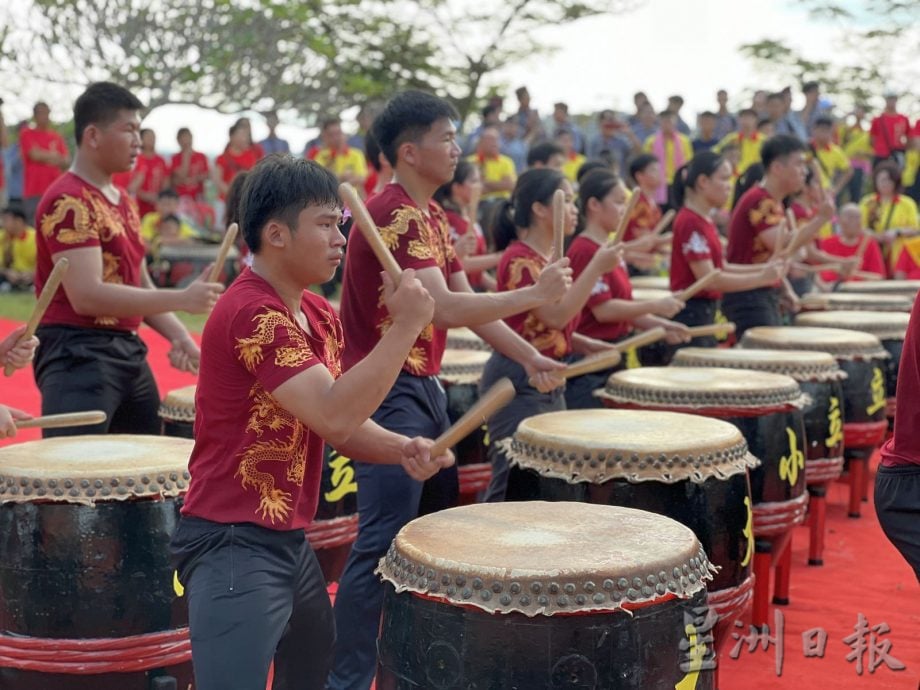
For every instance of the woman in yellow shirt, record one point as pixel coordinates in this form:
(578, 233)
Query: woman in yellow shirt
(889, 213)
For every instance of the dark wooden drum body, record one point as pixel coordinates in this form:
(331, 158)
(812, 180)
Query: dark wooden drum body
(335, 527)
(544, 595)
(765, 407)
(689, 468)
(87, 593)
(818, 376)
(461, 371)
(889, 327)
(863, 359)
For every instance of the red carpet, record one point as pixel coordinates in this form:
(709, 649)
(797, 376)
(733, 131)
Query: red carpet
(862, 574)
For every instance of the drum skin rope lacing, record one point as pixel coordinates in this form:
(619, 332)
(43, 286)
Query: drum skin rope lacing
(92, 656)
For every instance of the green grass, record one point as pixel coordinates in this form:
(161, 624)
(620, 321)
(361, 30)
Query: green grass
(17, 306)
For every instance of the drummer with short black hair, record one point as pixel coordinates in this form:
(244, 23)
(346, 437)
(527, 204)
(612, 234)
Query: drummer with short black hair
(271, 391)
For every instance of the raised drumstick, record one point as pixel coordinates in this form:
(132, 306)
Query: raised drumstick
(624, 219)
(491, 402)
(44, 299)
(664, 222)
(701, 284)
(226, 243)
(558, 224)
(58, 421)
(369, 229)
(610, 358)
(712, 329)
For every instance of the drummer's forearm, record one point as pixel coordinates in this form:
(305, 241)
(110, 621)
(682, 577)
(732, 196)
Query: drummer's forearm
(169, 326)
(374, 444)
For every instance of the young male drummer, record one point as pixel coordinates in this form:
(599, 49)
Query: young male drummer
(416, 133)
(18, 354)
(757, 225)
(270, 391)
(897, 482)
(91, 357)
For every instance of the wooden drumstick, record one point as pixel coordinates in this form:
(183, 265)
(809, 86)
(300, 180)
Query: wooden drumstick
(701, 284)
(610, 358)
(624, 219)
(229, 239)
(712, 329)
(58, 421)
(664, 222)
(368, 228)
(558, 224)
(491, 402)
(44, 299)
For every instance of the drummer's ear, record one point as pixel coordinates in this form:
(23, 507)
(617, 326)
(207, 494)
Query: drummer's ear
(275, 234)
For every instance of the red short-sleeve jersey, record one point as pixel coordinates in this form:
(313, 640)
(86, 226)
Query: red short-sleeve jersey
(695, 238)
(903, 448)
(888, 133)
(755, 212)
(197, 166)
(232, 164)
(153, 172)
(37, 177)
(872, 259)
(459, 226)
(643, 219)
(519, 267)
(73, 214)
(418, 239)
(612, 285)
(253, 461)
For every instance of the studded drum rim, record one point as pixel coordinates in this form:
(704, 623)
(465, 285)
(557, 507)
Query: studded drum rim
(179, 405)
(91, 469)
(801, 365)
(546, 558)
(463, 366)
(465, 339)
(842, 343)
(596, 446)
(701, 388)
(857, 301)
(884, 325)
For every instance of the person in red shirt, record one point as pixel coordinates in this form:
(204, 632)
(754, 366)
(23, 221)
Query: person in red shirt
(700, 189)
(897, 481)
(848, 242)
(238, 156)
(188, 168)
(645, 170)
(91, 357)
(888, 132)
(416, 133)
(757, 224)
(610, 313)
(150, 175)
(44, 155)
(460, 198)
(271, 391)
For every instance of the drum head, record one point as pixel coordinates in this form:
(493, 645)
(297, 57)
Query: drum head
(179, 405)
(884, 325)
(840, 342)
(802, 365)
(902, 287)
(465, 339)
(651, 282)
(644, 294)
(857, 301)
(87, 469)
(463, 366)
(638, 445)
(700, 388)
(542, 558)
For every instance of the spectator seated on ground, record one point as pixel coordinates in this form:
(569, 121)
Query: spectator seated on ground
(167, 205)
(17, 251)
(847, 243)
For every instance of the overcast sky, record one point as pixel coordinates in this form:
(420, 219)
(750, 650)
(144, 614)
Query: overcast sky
(689, 47)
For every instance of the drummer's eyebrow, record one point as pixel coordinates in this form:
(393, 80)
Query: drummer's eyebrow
(329, 214)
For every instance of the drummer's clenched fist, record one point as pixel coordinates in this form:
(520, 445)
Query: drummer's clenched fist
(201, 296)
(16, 353)
(554, 280)
(417, 460)
(8, 418)
(410, 305)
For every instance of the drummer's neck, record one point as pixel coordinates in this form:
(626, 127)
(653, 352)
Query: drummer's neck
(773, 188)
(289, 293)
(595, 232)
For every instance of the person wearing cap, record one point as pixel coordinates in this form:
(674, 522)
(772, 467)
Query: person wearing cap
(889, 131)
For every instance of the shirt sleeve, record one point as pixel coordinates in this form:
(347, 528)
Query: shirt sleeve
(69, 223)
(696, 247)
(405, 232)
(270, 346)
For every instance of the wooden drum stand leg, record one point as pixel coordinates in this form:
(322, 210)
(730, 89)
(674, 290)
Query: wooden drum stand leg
(817, 509)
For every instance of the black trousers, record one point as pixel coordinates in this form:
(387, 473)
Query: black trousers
(897, 504)
(79, 369)
(255, 595)
(752, 308)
